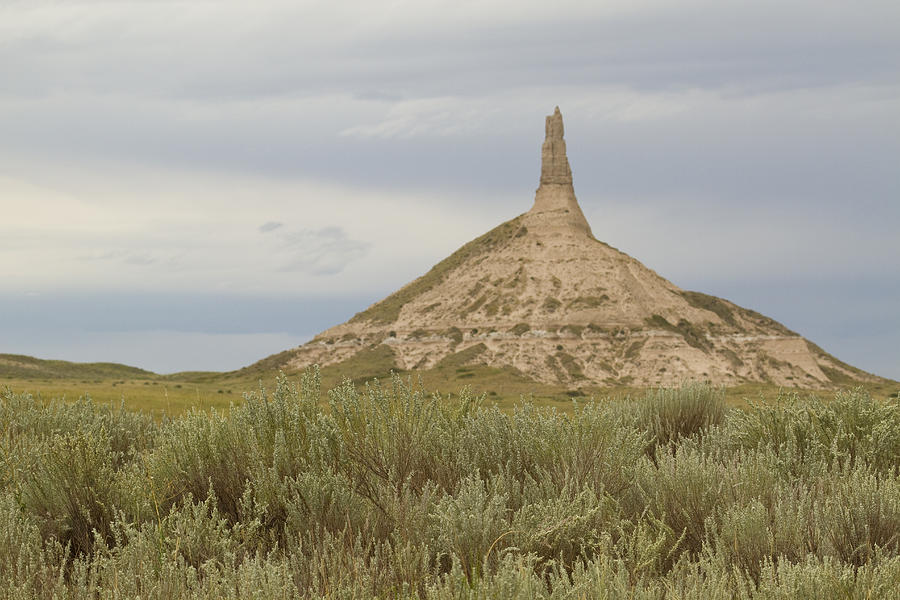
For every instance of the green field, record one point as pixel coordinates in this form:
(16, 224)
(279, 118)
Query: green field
(174, 394)
(386, 491)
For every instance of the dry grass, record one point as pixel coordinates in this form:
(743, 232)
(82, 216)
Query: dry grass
(501, 387)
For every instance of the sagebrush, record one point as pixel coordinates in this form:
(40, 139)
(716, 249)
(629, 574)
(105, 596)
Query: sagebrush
(387, 491)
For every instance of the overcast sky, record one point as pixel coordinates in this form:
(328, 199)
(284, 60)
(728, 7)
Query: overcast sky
(195, 185)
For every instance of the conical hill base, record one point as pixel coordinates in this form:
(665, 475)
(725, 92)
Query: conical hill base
(540, 295)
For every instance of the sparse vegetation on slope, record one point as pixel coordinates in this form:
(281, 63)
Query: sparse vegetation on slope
(712, 304)
(388, 309)
(692, 334)
(766, 322)
(385, 491)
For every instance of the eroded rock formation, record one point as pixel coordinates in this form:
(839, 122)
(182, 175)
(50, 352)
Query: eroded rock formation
(554, 202)
(540, 294)
(554, 162)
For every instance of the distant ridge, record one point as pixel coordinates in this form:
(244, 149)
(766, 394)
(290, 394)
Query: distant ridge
(28, 367)
(540, 295)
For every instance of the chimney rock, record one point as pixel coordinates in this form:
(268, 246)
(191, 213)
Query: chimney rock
(554, 164)
(555, 206)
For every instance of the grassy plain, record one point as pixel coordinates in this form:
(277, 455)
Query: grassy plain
(174, 394)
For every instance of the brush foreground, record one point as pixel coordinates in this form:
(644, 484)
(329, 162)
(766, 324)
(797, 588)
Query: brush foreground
(384, 491)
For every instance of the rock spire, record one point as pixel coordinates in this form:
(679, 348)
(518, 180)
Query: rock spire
(554, 163)
(555, 206)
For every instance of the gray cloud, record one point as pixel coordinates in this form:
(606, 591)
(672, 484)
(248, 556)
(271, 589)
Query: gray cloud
(383, 50)
(323, 251)
(270, 226)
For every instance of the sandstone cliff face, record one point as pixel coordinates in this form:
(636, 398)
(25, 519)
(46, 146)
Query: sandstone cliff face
(540, 294)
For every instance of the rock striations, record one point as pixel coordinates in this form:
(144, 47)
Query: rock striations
(540, 294)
